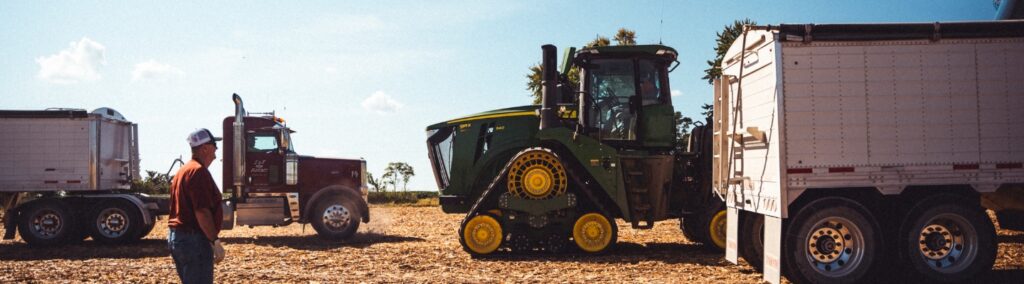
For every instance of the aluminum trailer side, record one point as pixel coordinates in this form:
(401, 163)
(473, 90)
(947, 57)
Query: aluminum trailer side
(64, 175)
(869, 146)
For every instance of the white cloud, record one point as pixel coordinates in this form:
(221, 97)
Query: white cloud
(676, 93)
(381, 103)
(75, 64)
(156, 71)
(331, 69)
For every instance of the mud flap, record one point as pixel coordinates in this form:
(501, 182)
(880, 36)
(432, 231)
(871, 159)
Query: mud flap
(732, 219)
(772, 249)
(10, 228)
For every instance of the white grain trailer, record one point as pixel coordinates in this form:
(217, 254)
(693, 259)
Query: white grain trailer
(847, 150)
(64, 176)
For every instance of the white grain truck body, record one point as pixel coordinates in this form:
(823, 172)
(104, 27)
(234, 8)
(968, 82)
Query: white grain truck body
(64, 175)
(857, 148)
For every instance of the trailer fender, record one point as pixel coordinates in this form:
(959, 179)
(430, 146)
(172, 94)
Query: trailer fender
(147, 215)
(337, 190)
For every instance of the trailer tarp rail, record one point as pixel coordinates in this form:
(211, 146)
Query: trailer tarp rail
(900, 31)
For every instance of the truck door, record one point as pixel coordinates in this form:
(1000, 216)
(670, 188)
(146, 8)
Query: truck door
(264, 159)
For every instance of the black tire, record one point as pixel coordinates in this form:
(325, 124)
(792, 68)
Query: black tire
(698, 227)
(751, 238)
(115, 221)
(832, 240)
(336, 218)
(47, 223)
(945, 240)
(147, 228)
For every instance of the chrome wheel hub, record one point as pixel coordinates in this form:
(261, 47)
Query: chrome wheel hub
(112, 222)
(835, 247)
(947, 243)
(46, 224)
(336, 217)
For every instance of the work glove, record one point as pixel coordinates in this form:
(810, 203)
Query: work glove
(218, 252)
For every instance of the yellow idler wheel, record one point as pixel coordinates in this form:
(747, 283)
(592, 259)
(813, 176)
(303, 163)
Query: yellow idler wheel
(482, 235)
(593, 232)
(716, 229)
(536, 174)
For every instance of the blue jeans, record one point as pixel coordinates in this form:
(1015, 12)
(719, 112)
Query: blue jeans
(193, 256)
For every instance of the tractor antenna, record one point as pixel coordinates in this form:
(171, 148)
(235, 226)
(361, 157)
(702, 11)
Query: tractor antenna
(661, 21)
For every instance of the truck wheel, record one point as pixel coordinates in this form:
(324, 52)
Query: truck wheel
(752, 240)
(481, 235)
(146, 229)
(336, 218)
(47, 223)
(832, 240)
(947, 241)
(594, 232)
(115, 221)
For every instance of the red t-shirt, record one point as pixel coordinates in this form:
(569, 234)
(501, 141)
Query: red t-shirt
(193, 187)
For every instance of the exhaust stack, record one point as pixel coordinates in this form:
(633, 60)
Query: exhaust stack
(239, 147)
(549, 88)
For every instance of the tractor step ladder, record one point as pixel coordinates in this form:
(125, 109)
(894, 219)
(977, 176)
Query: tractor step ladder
(639, 200)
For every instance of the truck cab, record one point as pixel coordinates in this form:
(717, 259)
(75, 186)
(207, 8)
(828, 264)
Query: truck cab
(272, 185)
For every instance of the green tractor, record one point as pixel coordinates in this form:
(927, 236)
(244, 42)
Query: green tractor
(542, 178)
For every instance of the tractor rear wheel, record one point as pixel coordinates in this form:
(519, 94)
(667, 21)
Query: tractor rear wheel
(707, 227)
(594, 232)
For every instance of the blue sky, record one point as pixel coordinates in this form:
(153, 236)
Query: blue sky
(355, 78)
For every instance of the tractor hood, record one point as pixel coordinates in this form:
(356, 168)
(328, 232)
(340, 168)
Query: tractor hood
(321, 172)
(527, 110)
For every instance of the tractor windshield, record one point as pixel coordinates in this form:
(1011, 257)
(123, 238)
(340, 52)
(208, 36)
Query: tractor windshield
(619, 87)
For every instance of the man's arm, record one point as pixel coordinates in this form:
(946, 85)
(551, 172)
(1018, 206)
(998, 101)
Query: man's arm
(205, 219)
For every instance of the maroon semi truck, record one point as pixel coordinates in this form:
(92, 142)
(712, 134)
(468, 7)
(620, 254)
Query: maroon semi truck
(67, 175)
(271, 185)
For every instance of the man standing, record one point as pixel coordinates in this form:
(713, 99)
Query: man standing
(196, 213)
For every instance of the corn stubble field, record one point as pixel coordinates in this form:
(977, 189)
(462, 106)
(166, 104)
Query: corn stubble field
(407, 244)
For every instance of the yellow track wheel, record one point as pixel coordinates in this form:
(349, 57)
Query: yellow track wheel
(536, 174)
(593, 232)
(716, 229)
(482, 235)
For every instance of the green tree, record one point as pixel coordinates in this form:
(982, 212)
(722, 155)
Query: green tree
(153, 183)
(534, 77)
(625, 37)
(728, 34)
(375, 183)
(407, 173)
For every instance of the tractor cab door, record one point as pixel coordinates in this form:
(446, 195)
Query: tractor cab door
(657, 117)
(612, 88)
(264, 160)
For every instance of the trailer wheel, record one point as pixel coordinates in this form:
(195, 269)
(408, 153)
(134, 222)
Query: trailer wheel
(336, 218)
(946, 240)
(115, 221)
(832, 240)
(751, 240)
(47, 223)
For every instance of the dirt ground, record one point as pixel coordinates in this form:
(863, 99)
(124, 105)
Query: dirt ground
(407, 244)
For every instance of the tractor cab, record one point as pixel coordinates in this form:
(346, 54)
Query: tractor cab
(625, 99)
